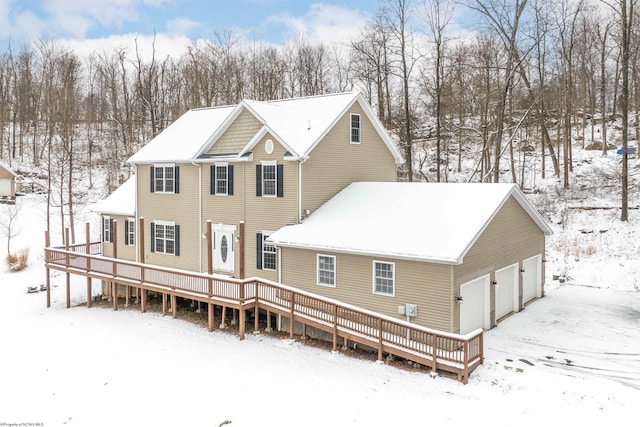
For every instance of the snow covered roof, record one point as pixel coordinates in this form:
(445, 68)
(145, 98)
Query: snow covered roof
(6, 167)
(183, 139)
(435, 222)
(120, 202)
(299, 124)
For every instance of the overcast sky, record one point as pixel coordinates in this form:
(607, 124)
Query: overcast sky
(100, 24)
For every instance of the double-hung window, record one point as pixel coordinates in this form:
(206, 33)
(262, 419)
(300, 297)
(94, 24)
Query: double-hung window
(165, 237)
(384, 278)
(165, 178)
(266, 252)
(107, 229)
(327, 270)
(222, 179)
(269, 179)
(355, 129)
(130, 232)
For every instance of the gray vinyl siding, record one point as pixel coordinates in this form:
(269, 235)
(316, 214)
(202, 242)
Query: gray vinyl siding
(182, 208)
(335, 162)
(511, 237)
(236, 137)
(426, 285)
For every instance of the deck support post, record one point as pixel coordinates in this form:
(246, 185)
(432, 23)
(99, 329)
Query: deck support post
(47, 243)
(269, 329)
(198, 310)
(67, 274)
(87, 235)
(379, 339)
(114, 292)
(126, 295)
(143, 300)
(243, 314)
(88, 292)
(164, 304)
(223, 320)
(173, 306)
(335, 327)
(293, 307)
(210, 316)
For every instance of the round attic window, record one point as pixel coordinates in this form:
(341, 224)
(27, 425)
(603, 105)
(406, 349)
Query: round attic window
(268, 146)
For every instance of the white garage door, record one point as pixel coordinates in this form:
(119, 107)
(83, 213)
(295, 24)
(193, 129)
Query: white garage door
(474, 307)
(5, 187)
(532, 278)
(507, 291)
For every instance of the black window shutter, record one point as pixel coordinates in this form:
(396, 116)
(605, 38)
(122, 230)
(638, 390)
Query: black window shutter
(111, 230)
(176, 236)
(176, 175)
(259, 180)
(102, 234)
(153, 237)
(212, 179)
(279, 177)
(259, 250)
(153, 179)
(230, 180)
(126, 233)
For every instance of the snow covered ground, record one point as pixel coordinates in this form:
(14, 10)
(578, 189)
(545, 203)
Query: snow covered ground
(571, 358)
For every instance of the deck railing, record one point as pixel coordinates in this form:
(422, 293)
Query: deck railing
(459, 354)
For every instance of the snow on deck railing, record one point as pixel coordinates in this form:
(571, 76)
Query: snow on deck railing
(459, 354)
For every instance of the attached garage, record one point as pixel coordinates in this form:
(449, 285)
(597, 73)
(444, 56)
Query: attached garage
(452, 252)
(531, 278)
(474, 305)
(506, 291)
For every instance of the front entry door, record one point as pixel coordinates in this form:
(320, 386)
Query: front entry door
(223, 247)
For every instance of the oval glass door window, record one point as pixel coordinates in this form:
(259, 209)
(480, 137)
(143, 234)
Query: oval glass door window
(224, 246)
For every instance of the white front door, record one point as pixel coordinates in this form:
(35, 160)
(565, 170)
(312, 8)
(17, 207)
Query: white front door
(474, 306)
(507, 291)
(223, 247)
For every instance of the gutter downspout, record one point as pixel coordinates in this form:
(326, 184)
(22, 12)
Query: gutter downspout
(135, 215)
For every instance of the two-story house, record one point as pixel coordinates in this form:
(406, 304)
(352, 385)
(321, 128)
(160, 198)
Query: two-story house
(302, 192)
(255, 165)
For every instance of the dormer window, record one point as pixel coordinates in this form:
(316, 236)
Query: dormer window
(355, 128)
(164, 178)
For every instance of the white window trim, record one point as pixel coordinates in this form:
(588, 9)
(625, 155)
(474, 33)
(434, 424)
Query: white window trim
(335, 276)
(265, 235)
(164, 223)
(351, 141)
(226, 187)
(106, 229)
(164, 166)
(393, 265)
(128, 238)
(273, 163)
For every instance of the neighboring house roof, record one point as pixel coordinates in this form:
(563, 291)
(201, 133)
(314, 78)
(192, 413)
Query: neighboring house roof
(299, 124)
(120, 202)
(434, 222)
(6, 167)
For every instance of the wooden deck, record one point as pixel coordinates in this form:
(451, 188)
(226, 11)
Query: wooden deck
(458, 354)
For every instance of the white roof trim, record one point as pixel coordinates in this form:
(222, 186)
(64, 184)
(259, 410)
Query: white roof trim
(264, 130)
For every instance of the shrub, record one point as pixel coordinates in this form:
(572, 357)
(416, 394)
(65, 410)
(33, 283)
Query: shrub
(18, 261)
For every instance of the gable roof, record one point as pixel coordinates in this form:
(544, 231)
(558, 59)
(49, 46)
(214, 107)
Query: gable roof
(298, 124)
(434, 222)
(120, 202)
(6, 167)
